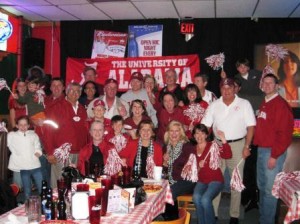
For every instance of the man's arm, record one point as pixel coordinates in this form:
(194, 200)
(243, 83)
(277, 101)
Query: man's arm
(248, 139)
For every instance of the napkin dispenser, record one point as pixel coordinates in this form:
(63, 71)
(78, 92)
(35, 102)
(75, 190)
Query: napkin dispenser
(80, 205)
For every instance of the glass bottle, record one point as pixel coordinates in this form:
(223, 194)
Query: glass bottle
(61, 207)
(49, 206)
(43, 195)
(133, 49)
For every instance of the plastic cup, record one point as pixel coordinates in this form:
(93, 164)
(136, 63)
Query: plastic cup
(82, 187)
(94, 210)
(126, 174)
(99, 194)
(157, 172)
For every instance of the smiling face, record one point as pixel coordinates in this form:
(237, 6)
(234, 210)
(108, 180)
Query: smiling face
(169, 103)
(97, 131)
(171, 78)
(200, 136)
(90, 90)
(32, 87)
(99, 112)
(149, 83)
(289, 67)
(117, 127)
(111, 90)
(227, 93)
(73, 93)
(191, 95)
(137, 109)
(57, 88)
(136, 84)
(146, 132)
(21, 87)
(23, 125)
(269, 86)
(174, 134)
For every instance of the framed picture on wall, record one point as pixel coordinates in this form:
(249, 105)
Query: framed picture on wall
(287, 71)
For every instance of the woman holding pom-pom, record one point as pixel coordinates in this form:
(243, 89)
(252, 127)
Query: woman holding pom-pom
(210, 177)
(176, 154)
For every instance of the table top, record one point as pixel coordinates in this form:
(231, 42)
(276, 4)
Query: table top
(143, 213)
(287, 188)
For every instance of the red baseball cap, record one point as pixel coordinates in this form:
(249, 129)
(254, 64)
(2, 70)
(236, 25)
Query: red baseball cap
(137, 75)
(227, 81)
(98, 102)
(107, 81)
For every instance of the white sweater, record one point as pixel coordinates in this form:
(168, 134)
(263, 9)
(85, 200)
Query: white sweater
(23, 147)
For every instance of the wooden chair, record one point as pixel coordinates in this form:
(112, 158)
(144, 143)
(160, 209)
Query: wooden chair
(184, 218)
(186, 202)
(15, 189)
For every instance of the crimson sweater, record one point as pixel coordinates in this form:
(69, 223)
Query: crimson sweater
(69, 130)
(274, 126)
(206, 174)
(86, 152)
(182, 159)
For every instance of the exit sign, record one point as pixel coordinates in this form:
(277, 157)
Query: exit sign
(187, 28)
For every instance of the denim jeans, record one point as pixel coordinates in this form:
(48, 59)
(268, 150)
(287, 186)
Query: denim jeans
(202, 198)
(26, 180)
(265, 181)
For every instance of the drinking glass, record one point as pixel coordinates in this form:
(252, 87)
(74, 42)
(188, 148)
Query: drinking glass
(34, 209)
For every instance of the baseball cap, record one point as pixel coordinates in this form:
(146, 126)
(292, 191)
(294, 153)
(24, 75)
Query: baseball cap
(137, 75)
(108, 81)
(227, 81)
(98, 102)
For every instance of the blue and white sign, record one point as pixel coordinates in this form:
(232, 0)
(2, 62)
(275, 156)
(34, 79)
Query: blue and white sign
(145, 40)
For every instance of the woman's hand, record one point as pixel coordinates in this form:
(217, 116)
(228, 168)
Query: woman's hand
(201, 163)
(124, 162)
(166, 159)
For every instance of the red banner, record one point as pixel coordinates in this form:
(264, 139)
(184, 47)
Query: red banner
(121, 69)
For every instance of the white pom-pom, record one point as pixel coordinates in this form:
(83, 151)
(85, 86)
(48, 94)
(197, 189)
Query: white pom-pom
(275, 52)
(236, 182)
(216, 61)
(150, 166)
(215, 159)
(113, 164)
(190, 171)
(62, 153)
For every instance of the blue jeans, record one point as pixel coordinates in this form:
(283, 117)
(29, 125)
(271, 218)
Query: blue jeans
(265, 181)
(46, 169)
(202, 198)
(26, 180)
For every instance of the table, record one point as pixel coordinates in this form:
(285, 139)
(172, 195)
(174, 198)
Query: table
(143, 213)
(287, 188)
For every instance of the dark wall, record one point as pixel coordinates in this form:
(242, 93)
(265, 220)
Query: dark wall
(235, 37)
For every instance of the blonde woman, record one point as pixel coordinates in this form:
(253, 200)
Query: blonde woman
(176, 154)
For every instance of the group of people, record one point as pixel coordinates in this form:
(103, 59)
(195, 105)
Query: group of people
(146, 126)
